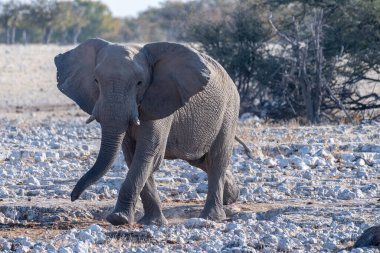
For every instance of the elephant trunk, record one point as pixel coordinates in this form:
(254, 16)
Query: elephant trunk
(109, 147)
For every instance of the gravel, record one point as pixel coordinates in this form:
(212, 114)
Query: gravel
(308, 189)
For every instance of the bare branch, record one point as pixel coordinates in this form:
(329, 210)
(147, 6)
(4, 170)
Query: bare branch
(282, 35)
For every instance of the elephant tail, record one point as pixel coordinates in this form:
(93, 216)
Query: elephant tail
(246, 148)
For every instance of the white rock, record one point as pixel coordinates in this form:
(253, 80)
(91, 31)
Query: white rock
(313, 241)
(81, 247)
(371, 148)
(193, 195)
(52, 155)
(270, 240)
(4, 192)
(362, 173)
(181, 180)
(358, 250)
(304, 150)
(55, 145)
(283, 162)
(86, 236)
(307, 175)
(50, 248)
(89, 195)
(183, 188)
(310, 160)
(96, 228)
(3, 173)
(329, 244)
(15, 155)
(24, 241)
(320, 162)
(5, 245)
(199, 223)
(202, 188)
(360, 162)
(180, 240)
(33, 181)
(346, 195)
(270, 162)
(167, 180)
(63, 249)
(37, 249)
(22, 249)
(119, 162)
(347, 157)
(231, 226)
(284, 244)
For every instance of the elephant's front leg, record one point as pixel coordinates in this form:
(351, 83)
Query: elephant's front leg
(150, 148)
(149, 194)
(152, 205)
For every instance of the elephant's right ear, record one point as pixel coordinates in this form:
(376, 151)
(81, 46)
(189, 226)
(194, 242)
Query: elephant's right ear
(75, 73)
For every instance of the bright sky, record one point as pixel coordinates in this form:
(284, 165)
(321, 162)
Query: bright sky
(122, 8)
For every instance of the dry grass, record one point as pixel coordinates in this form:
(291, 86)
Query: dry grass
(28, 76)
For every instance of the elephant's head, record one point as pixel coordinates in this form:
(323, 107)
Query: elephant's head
(119, 85)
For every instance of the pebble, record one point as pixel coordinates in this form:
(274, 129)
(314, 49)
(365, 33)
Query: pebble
(4, 192)
(40, 156)
(202, 188)
(198, 223)
(346, 195)
(329, 245)
(32, 181)
(284, 244)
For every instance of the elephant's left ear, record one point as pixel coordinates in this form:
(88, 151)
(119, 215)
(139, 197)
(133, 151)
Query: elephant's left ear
(178, 73)
(75, 73)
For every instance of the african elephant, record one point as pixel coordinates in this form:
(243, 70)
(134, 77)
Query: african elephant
(161, 100)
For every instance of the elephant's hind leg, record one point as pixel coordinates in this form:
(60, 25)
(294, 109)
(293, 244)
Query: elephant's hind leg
(152, 205)
(217, 160)
(231, 190)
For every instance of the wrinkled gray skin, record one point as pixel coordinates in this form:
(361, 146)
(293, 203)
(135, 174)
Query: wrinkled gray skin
(162, 100)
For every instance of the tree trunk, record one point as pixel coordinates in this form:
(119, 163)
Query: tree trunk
(8, 35)
(47, 35)
(317, 98)
(76, 33)
(24, 37)
(13, 35)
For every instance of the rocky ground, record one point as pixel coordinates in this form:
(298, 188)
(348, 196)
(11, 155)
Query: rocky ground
(308, 189)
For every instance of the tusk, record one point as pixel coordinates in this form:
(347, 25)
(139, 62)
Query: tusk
(136, 121)
(90, 119)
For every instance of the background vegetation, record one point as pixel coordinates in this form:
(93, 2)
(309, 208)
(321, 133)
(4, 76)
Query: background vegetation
(314, 60)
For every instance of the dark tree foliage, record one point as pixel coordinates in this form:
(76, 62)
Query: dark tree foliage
(235, 38)
(312, 59)
(315, 61)
(46, 21)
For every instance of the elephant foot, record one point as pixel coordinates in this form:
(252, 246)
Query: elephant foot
(231, 193)
(213, 213)
(118, 218)
(151, 219)
(369, 238)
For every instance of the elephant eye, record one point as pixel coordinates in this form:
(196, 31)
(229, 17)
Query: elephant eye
(96, 81)
(139, 83)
